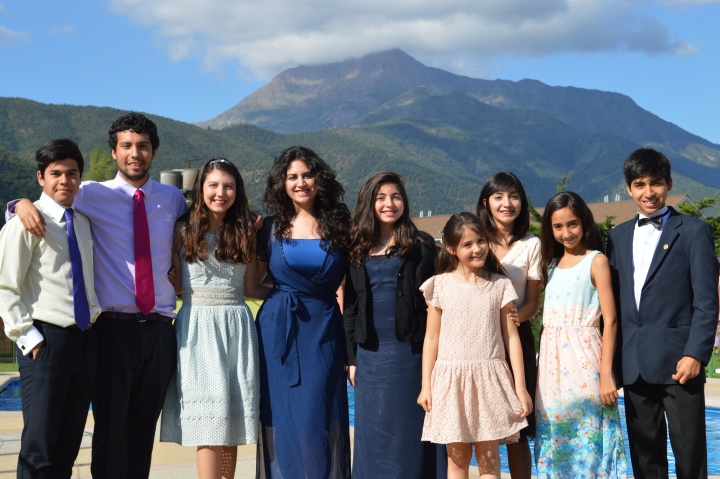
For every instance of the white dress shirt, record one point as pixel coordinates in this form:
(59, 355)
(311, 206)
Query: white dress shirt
(36, 275)
(645, 240)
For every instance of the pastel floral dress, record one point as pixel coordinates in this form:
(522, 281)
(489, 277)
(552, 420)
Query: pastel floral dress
(576, 435)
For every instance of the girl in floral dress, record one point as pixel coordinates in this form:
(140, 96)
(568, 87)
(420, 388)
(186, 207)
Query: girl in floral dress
(578, 424)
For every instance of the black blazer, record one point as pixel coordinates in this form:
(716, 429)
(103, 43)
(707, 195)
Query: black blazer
(679, 303)
(410, 306)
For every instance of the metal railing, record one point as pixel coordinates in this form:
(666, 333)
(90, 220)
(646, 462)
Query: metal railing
(8, 354)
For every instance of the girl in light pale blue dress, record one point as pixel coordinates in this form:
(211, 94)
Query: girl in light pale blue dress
(578, 424)
(213, 400)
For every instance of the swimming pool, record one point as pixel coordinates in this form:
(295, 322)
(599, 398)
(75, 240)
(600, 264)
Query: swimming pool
(712, 423)
(10, 399)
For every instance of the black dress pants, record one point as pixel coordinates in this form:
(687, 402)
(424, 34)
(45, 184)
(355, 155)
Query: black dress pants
(646, 406)
(136, 361)
(56, 389)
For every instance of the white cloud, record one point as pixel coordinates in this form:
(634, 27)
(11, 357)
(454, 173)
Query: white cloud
(267, 36)
(8, 36)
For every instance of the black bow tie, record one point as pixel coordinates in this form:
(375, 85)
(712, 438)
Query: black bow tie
(656, 221)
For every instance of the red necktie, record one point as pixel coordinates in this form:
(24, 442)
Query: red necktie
(144, 287)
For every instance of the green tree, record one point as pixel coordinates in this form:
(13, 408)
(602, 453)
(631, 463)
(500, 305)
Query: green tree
(535, 217)
(18, 180)
(695, 210)
(101, 166)
(605, 227)
(535, 220)
(562, 184)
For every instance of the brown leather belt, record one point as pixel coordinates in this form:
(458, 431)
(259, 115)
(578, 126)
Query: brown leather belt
(139, 317)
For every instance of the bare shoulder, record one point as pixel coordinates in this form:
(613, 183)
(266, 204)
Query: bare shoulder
(600, 260)
(600, 267)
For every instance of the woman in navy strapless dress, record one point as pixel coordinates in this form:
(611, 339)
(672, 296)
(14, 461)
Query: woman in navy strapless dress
(303, 406)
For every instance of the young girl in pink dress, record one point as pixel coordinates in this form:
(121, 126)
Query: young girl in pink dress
(469, 395)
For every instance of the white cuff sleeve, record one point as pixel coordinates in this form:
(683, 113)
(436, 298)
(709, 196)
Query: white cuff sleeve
(30, 338)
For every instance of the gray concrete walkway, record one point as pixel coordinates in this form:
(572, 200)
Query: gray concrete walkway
(171, 461)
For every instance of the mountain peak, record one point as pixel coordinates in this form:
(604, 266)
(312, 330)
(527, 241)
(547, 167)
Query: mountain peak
(380, 85)
(335, 94)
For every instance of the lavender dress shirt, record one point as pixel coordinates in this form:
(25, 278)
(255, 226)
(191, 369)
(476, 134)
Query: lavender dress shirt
(108, 205)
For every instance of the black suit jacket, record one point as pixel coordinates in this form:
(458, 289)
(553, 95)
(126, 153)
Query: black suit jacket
(410, 305)
(679, 301)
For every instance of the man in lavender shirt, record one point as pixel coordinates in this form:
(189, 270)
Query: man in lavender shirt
(136, 352)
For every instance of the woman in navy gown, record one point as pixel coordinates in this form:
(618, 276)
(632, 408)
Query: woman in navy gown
(385, 317)
(303, 406)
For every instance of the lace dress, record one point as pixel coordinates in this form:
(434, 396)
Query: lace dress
(214, 397)
(473, 395)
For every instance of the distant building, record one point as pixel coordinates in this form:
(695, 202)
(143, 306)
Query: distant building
(626, 209)
(621, 210)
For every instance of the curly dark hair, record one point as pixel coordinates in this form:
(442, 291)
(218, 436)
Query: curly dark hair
(550, 248)
(364, 228)
(499, 183)
(332, 216)
(136, 122)
(236, 240)
(452, 235)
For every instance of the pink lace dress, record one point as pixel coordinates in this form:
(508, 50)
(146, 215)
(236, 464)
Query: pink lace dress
(473, 396)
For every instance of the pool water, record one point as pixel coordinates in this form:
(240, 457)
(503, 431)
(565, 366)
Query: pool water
(10, 399)
(712, 424)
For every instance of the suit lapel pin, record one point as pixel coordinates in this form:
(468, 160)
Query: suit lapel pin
(665, 246)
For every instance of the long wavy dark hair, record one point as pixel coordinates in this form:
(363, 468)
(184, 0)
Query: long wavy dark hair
(452, 235)
(499, 183)
(365, 227)
(332, 216)
(550, 248)
(236, 240)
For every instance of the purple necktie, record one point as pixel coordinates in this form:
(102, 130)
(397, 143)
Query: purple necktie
(144, 287)
(80, 301)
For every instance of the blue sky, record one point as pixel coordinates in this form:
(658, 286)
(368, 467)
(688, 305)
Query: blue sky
(190, 60)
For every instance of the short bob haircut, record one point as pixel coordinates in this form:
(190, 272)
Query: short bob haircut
(646, 162)
(58, 150)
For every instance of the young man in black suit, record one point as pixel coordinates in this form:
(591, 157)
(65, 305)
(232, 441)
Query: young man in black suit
(665, 277)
